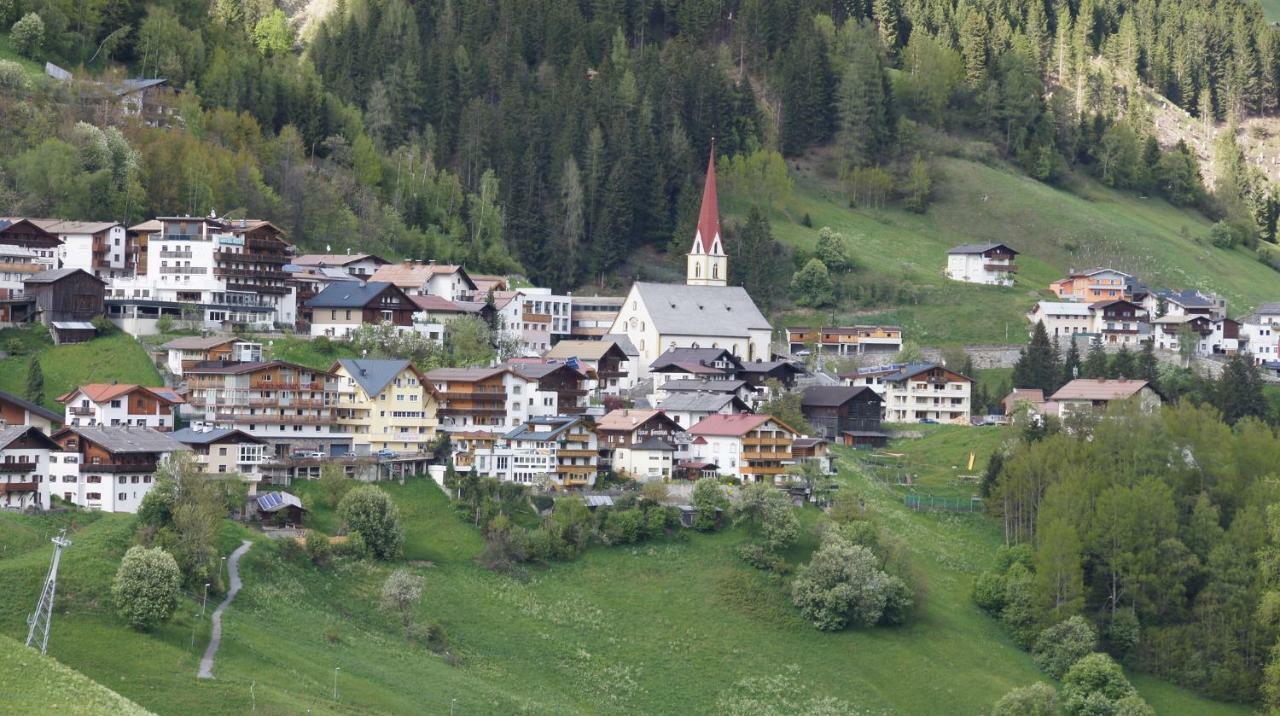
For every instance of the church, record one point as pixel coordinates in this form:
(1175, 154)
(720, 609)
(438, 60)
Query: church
(704, 311)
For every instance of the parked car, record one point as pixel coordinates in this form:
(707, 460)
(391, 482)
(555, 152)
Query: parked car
(387, 454)
(308, 455)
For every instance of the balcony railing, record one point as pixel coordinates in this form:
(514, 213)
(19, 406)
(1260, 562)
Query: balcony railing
(145, 466)
(766, 441)
(285, 385)
(1011, 268)
(274, 419)
(17, 487)
(763, 455)
(576, 453)
(185, 270)
(17, 466)
(80, 410)
(169, 254)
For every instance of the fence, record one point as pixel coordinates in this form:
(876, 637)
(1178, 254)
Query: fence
(930, 503)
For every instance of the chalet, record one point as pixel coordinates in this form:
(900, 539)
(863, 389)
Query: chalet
(477, 398)
(926, 393)
(1094, 285)
(427, 278)
(833, 410)
(358, 266)
(553, 388)
(1093, 396)
(67, 301)
(1169, 330)
(342, 308)
(560, 450)
(755, 448)
(120, 404)
(845, 341)
(309, 281)
(1190, 302)
(288, 405)
(604, 359)
(690, 408)
(990, 264)
(107, 468)
(815, 450)
(24, 465)
(189, 351)
(17, 264)
(739, 388)
(1031, 399)
(226, 451)
(759, 373)
(27, 234)
(18, 412)
(640, 444)
(1119, 322)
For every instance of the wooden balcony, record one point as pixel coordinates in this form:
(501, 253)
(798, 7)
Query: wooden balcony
(17, 487)
(1011, 268)
(754, 442)
(285, 385)
(576, 453)
(762, 455)
(272, 419)
(535, 317)
(16, 467)
(764, 470)
(139, 467)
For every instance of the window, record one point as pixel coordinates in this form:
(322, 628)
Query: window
(222, 451)
(122, 496)
(94, 496)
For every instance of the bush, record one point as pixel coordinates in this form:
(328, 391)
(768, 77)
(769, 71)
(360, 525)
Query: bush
(1063, 644)
(318, 548)
(430, 635)
(333, 485)
(145, 589)
(1019, 612)
(1123, 632)
(27, 35)
(708, 502)
(988, 592)
(13, 77)
(622, 526)
(370, 511)
(322, 345)
(1038, 699)
(291, 550)
(757, 556)
(844, 584)
(400, 593)
(353, 547)
(1094, 685)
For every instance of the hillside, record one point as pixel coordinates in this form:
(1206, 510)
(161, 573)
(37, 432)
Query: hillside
(671, 626)
(1055, 229)
(116, 357)
(46, 686)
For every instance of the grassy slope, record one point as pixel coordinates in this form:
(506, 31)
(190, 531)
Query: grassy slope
(116, 357)
(1055, 230)
(1271, 9)
(7, 53)
(656, 628)
(46, 686)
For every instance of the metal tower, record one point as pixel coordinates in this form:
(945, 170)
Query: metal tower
(43, 614)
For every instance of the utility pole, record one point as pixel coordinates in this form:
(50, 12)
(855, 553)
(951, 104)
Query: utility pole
(44, 608)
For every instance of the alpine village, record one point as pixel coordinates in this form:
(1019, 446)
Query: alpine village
(735, 357)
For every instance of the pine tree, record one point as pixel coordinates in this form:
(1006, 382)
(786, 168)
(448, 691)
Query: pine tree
(973, 47)
(1148, 367)
(886, 15)
(1038, 365)
(35, 381)
(1095, 363)
(865, 116)
(1122, 365)
(1071, 363)
(1238, 391)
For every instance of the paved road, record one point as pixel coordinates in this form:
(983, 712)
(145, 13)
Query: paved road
(215, 639)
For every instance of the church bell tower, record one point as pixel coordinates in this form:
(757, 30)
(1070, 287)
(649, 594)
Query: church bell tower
(708, 265)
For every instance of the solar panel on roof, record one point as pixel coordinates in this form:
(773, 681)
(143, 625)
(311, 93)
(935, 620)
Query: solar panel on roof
(269, 500)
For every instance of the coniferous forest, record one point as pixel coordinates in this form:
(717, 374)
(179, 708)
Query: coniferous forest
(556, 137)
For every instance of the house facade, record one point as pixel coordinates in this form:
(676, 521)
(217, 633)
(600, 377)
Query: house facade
(427, 278)
(753, 448)
(120, 404)
(226, 451)
(66, 301)
(189, 351)
(492, 399)
(845, 341)
(557, 451)
(1090, 396)
(926, 392)
(344, 307)
(1094, 285)
(833, 410)
(639, 444)
(24, 466)
(989, 264)
(385, 405)
(18, 412)
(106, 468)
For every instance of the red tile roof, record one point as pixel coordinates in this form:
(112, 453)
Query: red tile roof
(732, 425)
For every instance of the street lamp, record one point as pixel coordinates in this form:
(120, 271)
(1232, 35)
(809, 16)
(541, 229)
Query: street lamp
(335, 682)
(205, 602)
(222, 566)
(452, 703)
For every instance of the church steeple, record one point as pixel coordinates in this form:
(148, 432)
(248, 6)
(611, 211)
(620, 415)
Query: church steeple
(707, 262)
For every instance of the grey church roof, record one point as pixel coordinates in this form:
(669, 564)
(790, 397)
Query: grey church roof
(726, 311)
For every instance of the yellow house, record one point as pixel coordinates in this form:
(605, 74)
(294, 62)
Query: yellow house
(385, 405)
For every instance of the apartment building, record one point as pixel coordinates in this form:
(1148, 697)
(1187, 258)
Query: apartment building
(754, 448)
(926, 393)
(553, 388)
(211, 272)
(290, 406)
(98, 247)
(106, 468)
(1168, 332)
(1062, 319)
(845, 341)
(121, 404)
(494, 399)
(385, 405)
(990, 264)
(427, 278)
(1094, 285)
(24, 466)
(1119, 322)
(559, 451)
(591, 317)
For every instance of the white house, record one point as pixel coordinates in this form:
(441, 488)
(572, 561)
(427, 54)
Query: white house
(692, 407)
(1093, 396)
(1260, 333)
(24, 466)
(754, 448)
(554, 449)
(1062, 318)
(98, 247)
(926, 393)
(120, 404)
(358, 266)
(427, 278)
(106, 468)
(990, 264)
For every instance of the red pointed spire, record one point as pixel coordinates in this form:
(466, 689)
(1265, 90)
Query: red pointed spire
(709, 216)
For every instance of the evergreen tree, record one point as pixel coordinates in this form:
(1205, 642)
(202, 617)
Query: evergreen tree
(886, 15)
(1038, 364)
(973, 46)
(1148, 367)
(806, 86)
(1095, 363)
(1238, 391)
(758, 264)
(35, 381)
(1122, 365)
(1071, 363)
(865, 126)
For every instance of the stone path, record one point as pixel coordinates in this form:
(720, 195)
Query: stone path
(215, 638)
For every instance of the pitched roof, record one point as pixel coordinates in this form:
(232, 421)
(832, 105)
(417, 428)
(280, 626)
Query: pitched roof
(1269, 309)
(55, 275)
(30, 406)
(693, 360)
(276, 501)
(1190, 298)
(466, 375)
(721, 311)
(126, 439)
(79, 227)
(439, 304)
(334, 259)
(1063, 308)
(710, 386)
(585, 350)
(732, 425)
(914, 369)
(699, 402)
(373, 375)
(188, 436)
(408, 274)
(542, 429)
(1030, 395)
(709, 214)
(978, 248)
(654, 444)
(14, 432)
(348, 295)
(831, 396)
(193, 343)
(625, 419)
(1098, 389)
(225, 368)
(768, 366)
(537, 371)
(623, 341)
(102, 392)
